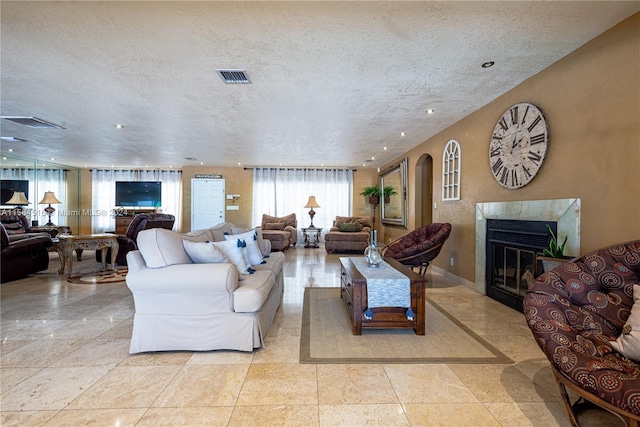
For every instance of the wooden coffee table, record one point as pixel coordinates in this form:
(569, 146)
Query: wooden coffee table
(353, 291)
(68, 243)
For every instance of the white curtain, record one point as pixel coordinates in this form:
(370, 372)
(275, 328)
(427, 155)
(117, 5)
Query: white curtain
(41, 180)
(281, 191)
(104, 194)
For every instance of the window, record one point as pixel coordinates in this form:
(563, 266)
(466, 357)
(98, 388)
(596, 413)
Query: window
(104, 194)
(451, 171)
(279, 192)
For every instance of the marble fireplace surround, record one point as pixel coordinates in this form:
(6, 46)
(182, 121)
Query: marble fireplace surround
(565, 212)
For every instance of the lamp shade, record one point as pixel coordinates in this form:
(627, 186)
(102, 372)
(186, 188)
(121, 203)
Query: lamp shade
(18, 198)
(311, 203)
(49, 198)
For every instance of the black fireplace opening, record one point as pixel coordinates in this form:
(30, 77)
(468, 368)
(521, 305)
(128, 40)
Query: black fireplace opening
(513, 248)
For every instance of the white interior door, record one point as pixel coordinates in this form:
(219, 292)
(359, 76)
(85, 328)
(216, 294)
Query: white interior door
(207, 203)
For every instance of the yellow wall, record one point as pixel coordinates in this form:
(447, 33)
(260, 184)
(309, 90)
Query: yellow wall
(591, 100)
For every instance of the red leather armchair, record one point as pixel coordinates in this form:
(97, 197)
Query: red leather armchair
(128, 241)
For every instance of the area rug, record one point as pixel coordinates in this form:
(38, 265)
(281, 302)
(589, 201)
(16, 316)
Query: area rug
(327, 337)
(87, 271)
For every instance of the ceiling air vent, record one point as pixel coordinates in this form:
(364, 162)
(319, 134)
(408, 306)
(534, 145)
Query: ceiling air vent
(234, 76)
(32, 122)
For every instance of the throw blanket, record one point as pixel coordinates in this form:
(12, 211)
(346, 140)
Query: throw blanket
(386, 287)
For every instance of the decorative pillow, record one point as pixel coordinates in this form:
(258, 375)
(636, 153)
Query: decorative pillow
(350, 227)
(160, 248)
(252, 249)
(629, 342)
(204, 252)
(274, 226)
(234, 253)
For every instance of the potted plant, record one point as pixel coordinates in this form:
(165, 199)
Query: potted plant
(372, 193)
(553, 255)
(387, 192)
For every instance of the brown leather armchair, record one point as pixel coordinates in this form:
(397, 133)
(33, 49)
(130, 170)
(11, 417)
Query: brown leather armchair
(23, 254)
(128, 241)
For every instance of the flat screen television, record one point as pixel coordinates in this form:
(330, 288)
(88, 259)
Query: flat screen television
(138, 194)
(8, 186)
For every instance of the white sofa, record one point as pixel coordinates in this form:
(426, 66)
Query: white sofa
(180, 305)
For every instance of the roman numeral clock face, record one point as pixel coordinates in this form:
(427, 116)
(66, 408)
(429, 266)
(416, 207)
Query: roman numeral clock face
(518, 145)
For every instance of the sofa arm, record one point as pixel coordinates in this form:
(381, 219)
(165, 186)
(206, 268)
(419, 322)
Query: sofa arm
(27, 245)
(181, 289)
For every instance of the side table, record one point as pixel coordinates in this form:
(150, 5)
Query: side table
(68, 243)
(311, 236)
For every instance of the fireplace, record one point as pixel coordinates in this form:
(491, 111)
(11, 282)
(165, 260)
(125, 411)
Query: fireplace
(512, 257)
(565, 213)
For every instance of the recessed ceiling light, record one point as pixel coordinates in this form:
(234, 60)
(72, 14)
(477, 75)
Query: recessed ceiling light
(488, 64)
(431, 111)
(402, 134)
(119, 126)
(385, 148)
(202, 163)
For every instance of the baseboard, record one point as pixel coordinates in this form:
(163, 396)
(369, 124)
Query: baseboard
(453, 277)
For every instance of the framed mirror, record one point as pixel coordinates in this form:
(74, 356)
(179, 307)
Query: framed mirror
(393, 184)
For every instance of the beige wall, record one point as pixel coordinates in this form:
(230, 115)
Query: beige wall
(591, 100)
(237, 181)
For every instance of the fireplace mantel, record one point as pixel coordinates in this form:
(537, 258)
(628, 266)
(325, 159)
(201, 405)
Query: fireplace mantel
(565, 212)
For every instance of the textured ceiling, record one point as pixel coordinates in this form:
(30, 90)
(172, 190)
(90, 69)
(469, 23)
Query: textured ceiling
(333, 83)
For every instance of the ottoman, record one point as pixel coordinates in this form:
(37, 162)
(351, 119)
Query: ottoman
(279, 239)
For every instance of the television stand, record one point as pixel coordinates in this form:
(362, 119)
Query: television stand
(123, 221)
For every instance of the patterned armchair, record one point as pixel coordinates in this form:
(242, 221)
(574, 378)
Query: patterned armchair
(280, 231)
(341, 238)
(418, 248)
(574, 311)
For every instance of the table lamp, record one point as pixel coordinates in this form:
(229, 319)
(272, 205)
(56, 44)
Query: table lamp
(311, 203)
(49, 198)
(18, 199)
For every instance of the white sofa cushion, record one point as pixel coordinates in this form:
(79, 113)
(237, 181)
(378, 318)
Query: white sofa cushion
(204, 252)
(161, 248)
(253, 291)
(202, 235)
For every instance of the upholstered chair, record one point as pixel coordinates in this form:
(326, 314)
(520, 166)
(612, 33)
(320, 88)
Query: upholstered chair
(418, 248)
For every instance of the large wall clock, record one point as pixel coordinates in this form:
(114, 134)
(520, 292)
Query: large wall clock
(518, 145)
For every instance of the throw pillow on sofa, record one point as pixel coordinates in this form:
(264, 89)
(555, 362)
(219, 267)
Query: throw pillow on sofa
(350, 227)
(160, 248)
(234, 253)
(204, 252)
(253, 252)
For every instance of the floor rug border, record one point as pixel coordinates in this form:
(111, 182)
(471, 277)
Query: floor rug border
(305, 343)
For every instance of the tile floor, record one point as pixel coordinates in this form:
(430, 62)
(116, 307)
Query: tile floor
(65, 362)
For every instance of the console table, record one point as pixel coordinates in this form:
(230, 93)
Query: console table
(353, 291)
(68, 243)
